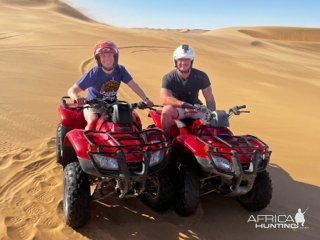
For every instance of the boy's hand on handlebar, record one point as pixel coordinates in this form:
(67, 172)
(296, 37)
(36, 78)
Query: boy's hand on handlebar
(81, 100)
(149, 103)
(140, 105)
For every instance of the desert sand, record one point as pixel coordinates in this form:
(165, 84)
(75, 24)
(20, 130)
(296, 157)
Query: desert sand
(45, 46)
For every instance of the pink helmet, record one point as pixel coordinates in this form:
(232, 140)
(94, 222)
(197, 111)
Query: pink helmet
(106, 47)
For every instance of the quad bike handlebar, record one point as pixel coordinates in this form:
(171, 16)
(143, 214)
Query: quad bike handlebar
(143, 105)
(103, 104)
(218, 118)
(236, 110)
(232, 111)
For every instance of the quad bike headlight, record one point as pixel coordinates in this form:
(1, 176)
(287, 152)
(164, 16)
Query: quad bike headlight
(222, 164)
(106, 162)
(259, 160)
(262, 162)
(156, 157)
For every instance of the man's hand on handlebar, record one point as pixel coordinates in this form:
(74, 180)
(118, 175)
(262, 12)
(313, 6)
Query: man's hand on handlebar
(186, 105)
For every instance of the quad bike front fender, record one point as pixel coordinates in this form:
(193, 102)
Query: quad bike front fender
(76, 140)
(193, 144)
(72, 118)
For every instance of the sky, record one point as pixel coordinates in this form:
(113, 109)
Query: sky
(201, 14)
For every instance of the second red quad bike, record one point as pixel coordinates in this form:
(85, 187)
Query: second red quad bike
(118, 155)
(207, 157)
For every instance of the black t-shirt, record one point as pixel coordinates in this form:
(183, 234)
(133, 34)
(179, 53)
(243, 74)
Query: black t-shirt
(186, 90)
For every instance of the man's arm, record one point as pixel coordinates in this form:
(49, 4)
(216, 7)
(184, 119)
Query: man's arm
(167, 98)
(208, 95)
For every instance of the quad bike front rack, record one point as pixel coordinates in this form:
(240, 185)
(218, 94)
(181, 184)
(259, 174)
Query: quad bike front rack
(227, 149)
(133, 159)
(118, 146)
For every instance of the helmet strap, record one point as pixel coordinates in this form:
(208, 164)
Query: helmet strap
(108, 69)
(184, 72)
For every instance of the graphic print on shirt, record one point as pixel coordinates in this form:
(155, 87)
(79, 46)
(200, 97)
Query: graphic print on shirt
(109, 90)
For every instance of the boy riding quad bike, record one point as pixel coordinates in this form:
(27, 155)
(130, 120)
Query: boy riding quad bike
(207, 157)
(118, 153)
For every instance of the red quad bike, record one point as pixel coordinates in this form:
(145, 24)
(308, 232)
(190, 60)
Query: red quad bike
(117, 155)
(207, 157)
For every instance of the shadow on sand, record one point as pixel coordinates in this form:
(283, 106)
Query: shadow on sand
(217, 217)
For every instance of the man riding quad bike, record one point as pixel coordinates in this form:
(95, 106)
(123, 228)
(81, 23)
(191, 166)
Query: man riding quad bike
(207, 157)
(117, 153)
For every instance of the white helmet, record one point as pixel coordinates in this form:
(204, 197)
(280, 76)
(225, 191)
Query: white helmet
(183, 51)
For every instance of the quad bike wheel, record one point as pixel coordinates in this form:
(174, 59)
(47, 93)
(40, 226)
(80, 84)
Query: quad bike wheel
(187, 189)
(61, 133)
(76, 195)
(260, 195)
(159, 194)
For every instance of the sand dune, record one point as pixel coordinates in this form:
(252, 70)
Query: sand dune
(52, 5)
(285, 34)
(274, 71)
